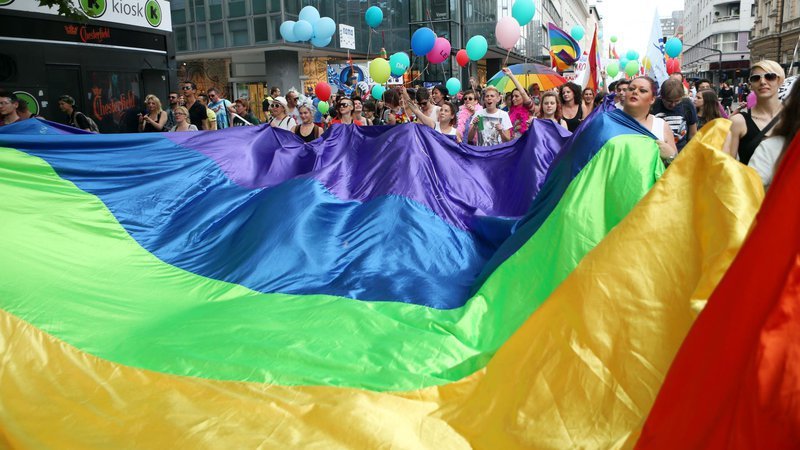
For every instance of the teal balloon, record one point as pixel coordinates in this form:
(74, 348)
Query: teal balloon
(523, 11)
(673, 47)
(423, 40)
(398, 63)
(377, 92)
(287, 31)
(373, 16)
(303, 30)
(324, 28)
(632, 68)
(321, 42)
(622, 63)
(477, 46)
(453, 86)
(577, 32)
(632, 55)
(612, 69)
(309, 14)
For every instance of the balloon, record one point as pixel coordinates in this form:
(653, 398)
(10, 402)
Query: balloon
(377, 92)
(303, 30)
(477, 47)
(673, 65)
(373, 16)
(673, 47)
(577, 32)
(310, 15)
(321, 42)
(287, 31)
(600, 35)
(613, 39)
(646, 63)
(398, 63)
(379, 70)
(632, 55)
(622, 63)
(751, 99)
(612, 69)
(508, 32)
(523, 11)
(461, 58)
(422, 41)
(632, 68)
(323, 107)
(323, 91)
(453, 86)
(325, 27)
(440, 51)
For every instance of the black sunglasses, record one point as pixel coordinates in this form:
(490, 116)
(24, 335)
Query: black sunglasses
(469, 99)
(187, 88)
(344, 104)
(772, 76)
(276, 105)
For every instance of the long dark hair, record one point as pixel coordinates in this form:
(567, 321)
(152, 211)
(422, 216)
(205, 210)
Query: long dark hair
(710, 109)
(576, 93)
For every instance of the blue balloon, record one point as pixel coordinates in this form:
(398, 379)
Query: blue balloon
(309, 14)
(523, 11)
(287, 31)
(378, 91)
(622, 63)
(632, 55)
(477, 47)
(324, 28)
(303, 30)
(398, 63)
(453, 86)
(577, 32)
(422, 41)
(321, 42)
(673, 47)
(373, 16)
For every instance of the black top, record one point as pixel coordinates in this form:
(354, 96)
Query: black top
(748, 142)
(572, 124)
(308, 138)
(197, 114)
(149, 128)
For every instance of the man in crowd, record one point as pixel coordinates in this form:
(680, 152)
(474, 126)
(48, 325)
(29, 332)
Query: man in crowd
(620, 88)
(197, 112)
(677, 110)
(274, 92)
(291, 105)
(173, 103)
(211, 117)
(76, 118)
(8, 108)
(220, 107)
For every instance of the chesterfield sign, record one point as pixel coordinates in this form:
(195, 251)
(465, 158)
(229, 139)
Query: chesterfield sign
(151, 14)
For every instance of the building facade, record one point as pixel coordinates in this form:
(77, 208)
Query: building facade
(776, 32)
(716, 37)
(107, 63)
(671, 26)
(236, 44)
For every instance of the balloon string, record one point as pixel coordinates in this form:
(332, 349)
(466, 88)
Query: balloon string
(505, 63)
(418, 76)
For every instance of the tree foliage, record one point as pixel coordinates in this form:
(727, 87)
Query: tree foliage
(66, 8)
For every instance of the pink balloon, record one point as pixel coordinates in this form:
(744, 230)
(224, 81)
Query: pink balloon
(751, 99)
(440, 52)
(508, 32)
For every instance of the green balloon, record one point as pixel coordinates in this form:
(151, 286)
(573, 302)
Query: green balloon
(379, 70)
(612, 69)
(613, 39)
(632, 68)
(323, 107)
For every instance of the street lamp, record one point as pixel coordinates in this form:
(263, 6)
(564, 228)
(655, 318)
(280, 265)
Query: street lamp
(713, 50)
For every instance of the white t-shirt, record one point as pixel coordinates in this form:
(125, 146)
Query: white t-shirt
(766, 156)
(451, 132)
(287, 123)
(487, 133)
(658, 128)
(294, 114)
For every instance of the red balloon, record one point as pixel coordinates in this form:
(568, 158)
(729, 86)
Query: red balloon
(673, 65)
(462, 58)
(323, 91)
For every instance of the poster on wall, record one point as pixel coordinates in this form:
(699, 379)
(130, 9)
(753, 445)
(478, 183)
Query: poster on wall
(348, 78)
(114, 101)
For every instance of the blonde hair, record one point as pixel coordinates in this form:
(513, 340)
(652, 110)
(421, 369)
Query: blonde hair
(154, 99)
(768, 66)
(491, 88)
(182, 109)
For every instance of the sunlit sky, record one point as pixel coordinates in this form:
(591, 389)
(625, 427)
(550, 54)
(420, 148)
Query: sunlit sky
(632, 20)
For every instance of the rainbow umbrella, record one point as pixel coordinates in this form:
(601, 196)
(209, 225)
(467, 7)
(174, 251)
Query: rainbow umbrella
(527, 74)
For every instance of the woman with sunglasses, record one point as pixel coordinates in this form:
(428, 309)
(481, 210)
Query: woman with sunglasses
(770, 151)
(344, 111)
(465, 113)
(751, 127)
(280, 119)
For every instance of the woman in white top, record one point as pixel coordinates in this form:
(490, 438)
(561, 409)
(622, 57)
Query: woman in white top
(640, 97)
(770, 151)
(447, 116)
(279, 117)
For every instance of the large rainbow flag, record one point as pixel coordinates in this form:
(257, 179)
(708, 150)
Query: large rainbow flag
(564, 50)
(377, 287)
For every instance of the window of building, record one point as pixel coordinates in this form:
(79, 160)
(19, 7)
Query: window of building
(425, 10)
(217, 34)
(202, 36)
(178, 8)
(214, 9)
(265, 6)
(238, 32)
(199, 10)
(181, 39)
(727, 42)
(237, 8)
